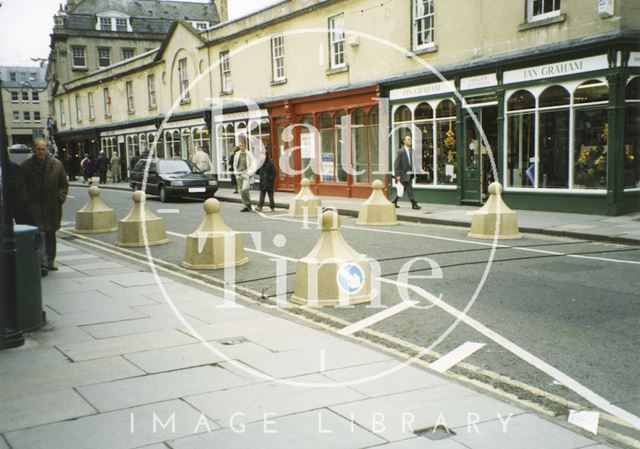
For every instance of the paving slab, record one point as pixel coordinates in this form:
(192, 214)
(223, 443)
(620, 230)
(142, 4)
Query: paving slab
(421, 443)
(192, 355)
(524, 431)
(46, 377)
(398, 378)
(25, 358)
(90, 317)
(319, 429)
(68, 303)
(139, 326)
(107, 347)
(395, 417)
(142, 390)
(114, 430)
(3, 443)
(250, 403)
(315, 359)
(43, 408)
(50, 335)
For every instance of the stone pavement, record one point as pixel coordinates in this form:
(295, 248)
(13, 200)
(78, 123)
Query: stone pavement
(115, 368)
(624, 229)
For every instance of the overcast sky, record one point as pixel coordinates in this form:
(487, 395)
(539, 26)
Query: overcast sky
(25, 26)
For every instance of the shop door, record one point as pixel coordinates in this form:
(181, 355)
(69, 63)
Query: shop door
(281, 158)
(477, 172)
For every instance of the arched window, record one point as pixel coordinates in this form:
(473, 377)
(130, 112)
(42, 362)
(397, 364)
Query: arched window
(446, 108)
(424, 111)
(402, 114)
(326, 121)
(521, 100)
(374, 116)
(554, 96)
(632, 135)
(591, 91)
(633, 89)
(357, 117)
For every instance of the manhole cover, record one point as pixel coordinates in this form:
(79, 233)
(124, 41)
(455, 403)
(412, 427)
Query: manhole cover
(232, 341)
(435, 433)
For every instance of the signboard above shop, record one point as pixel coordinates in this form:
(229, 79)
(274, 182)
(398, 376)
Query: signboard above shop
(555, 69)
(422, 90)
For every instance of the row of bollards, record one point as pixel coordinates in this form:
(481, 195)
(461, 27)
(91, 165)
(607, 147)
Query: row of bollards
(331, 274)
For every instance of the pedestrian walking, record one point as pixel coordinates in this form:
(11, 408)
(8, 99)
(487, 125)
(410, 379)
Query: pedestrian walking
(201, 160)
(114, 165)
(234, 181)
(102, 165)
(45, 189)
(244, 166)
(403, 170)
(267, 174)
(87, 167)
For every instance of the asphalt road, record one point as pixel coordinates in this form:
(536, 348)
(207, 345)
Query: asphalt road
(573, 304)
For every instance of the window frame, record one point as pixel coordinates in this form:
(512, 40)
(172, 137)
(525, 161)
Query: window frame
(91, 105)
(16, 117)
(337, 47)
(417, 19)
(15, 97)
(131, 106)
(24, 97)
(98, 49)
(35, 97)
(37, 118)
(277, 59)
(151, 91)
(127, 49)
(26, 116)
(74, 56)
(544, 15)
(225, 73)
(106, 97)
(63, 116)
(183, 81)
(78, 108)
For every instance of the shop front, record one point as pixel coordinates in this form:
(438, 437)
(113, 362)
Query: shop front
(332, 139)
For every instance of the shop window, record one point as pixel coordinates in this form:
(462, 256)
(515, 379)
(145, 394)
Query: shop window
(329, 136)
(424, 111)
(446, 143)
(554, 138)
(423, 24)
(423, 144)
(402, 114)
(446, 108)
(173, 146)
(632, 135)
(521, 139)
(591, 135)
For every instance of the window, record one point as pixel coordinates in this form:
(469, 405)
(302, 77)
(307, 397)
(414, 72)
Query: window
(32, 76)
(521, 139)
(107, 102)
(423, 21)
(183, 80)
(200, 26)
(63, 117)
(15, 97)
(542, 9)
(36, 117)
(23, 76)
(78, 109)
(104, 56)
(632, 135)
(16, 117)
(13, 76)
(554, 137)
(151, 89)
(127, 53)
(277, 58)
(104, 23)
(121, 24)
(35, 96)
(111, 23)
(225, 72)
(130, 104)
(336, 42)
(26, 116)
(25, 97)
(79, 57)
(92, 109)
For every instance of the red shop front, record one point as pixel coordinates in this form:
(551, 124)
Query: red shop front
(332, 139)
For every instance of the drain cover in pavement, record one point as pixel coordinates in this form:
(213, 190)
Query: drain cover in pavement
(435, 433)
(232, 341)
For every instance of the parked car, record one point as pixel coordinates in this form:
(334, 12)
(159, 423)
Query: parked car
(19, 153)
(171, 178)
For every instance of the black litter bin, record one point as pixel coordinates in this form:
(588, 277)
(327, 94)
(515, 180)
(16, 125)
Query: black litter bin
(28, 284)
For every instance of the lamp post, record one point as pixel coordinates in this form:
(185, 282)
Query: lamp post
(10, 337)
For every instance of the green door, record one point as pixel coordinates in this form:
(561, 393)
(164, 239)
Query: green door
(477, 171)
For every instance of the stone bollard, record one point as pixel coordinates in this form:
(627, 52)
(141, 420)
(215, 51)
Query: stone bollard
(95, 216)
(377, 210)
(333, 273)
(305, 199)
(484, 221)
(130, 228)
(206, 249)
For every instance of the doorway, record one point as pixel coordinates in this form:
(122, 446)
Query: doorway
(282, 158)
(477, 170)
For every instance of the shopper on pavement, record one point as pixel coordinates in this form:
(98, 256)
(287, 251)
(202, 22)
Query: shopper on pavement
(244, 166)
(201, 160)
(234, 181)
(102, 164)
(404, 171)
(45, 187)
(114, 165)
(267, 174)
(87, 167)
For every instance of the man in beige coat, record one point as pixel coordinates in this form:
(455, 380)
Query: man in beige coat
(46, 187)
(114, 165)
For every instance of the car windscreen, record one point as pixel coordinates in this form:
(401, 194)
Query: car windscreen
(176, 167)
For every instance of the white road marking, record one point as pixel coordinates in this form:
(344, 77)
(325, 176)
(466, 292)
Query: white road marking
(375, 318)
(604, 259)
(456, 356)
(585, 420)
(528, 357)
(71, 196)
(168, 211)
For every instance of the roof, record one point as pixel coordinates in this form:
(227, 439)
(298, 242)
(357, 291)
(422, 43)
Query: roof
(150, 9)
(38, 82)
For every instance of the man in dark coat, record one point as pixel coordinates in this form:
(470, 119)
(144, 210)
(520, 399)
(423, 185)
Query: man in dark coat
(267, 174)
(46, 186)
(102, 165)
(403, 170)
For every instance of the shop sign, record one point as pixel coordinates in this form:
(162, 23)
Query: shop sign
(634, 59)
(307, 146)
(328, 168)
(422, 90)
(255, 115)
(556, 69)
(477, 82)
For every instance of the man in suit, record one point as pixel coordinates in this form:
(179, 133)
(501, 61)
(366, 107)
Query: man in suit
(403, 170)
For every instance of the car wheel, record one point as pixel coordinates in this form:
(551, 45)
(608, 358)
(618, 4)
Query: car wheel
(164, 196)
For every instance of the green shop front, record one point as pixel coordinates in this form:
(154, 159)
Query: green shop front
(561, 134)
